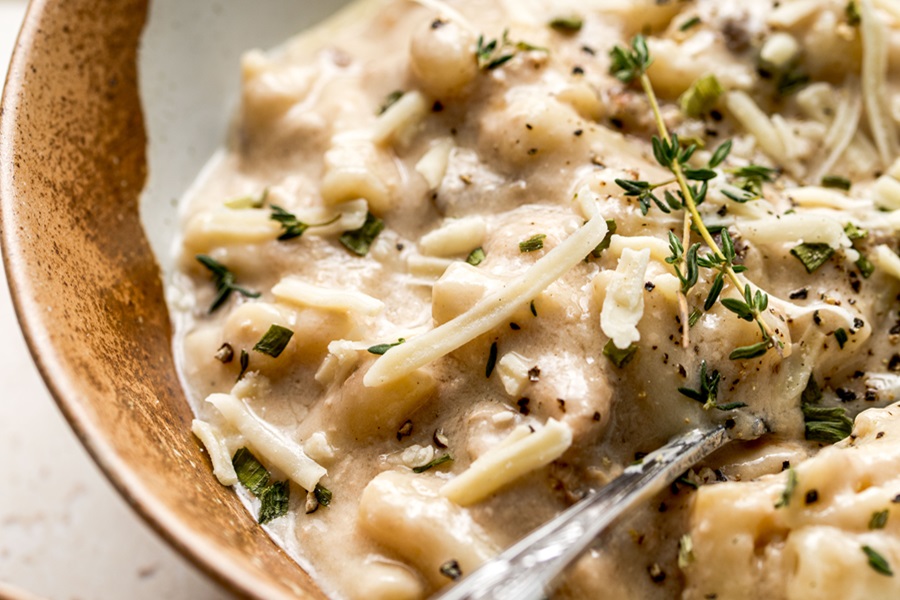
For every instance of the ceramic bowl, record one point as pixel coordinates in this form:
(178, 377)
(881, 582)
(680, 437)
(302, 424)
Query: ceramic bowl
(109, 111)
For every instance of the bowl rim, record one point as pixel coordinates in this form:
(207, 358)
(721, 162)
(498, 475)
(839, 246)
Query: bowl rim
(201, 551)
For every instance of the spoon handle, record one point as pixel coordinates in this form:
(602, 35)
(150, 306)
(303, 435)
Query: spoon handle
(526, 570)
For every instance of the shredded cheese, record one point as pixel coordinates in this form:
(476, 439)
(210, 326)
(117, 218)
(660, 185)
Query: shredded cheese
(874, 86)
(796, 228)
(508, 461)
(489, 312)
(219, 455)
(433, 164)
(455, 236)
(887, 260)
(623, 306)
(296, 291)
(275, 449)
(400, 118)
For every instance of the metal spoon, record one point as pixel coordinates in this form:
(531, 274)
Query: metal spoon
(527, 570)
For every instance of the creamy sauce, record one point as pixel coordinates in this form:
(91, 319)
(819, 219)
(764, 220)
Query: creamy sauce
(476, 157)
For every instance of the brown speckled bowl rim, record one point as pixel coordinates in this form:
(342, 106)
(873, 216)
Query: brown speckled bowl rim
(212, 555)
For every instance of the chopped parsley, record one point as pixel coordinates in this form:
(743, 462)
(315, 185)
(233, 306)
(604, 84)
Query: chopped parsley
(273, 498)
(789, 488)
(224, 282)
(877, 561)
(879, 519)
(855, 233)
(841, 336)
(274, 341)
(476, 256)
(837, 182)
(380, 349)
(569, 24)
(535, 242)
(812, 256)
(444, 458)
(617, 356)
(360, 240)
(274, 501)
(865, 266)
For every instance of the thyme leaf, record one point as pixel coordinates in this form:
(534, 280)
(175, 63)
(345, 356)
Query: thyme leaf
(358, 241)
(444, 458)
(617, 356)
(877, 561)
(789, 488)
(274, 341)
(224, 282)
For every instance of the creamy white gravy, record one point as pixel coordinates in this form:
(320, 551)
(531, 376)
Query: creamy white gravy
(490, 156)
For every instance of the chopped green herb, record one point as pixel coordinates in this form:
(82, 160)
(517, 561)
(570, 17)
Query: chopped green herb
(274, 341)
(604, 243)
(274, 501)
(791, 82)
(250, 471)
(751, 351)
(619, 357)
(877, 561)
(495, 53)
(434, 463)
(475, 256)
(865, 266)
(273, 498)
(224, 281)
(245, 362)
(841, 336)
(492, 361)
(359, 240)
(823, 424)
(701, 97)
(721, 153)
(709, 387)
(292, 226)
(813, 256)
(323, 494)
(245, 202)
(685, 551)
(535, 242)
(879, 519)
(692, 22)
(451, 569)
(835, 181)
(855, 233)
(694, 317)
(628, 65)
(380, 349)
(851, 11)
(569, 24)
(789, 488)
(389, 101)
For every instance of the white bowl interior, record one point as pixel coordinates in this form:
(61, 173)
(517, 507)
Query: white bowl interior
(189, 84)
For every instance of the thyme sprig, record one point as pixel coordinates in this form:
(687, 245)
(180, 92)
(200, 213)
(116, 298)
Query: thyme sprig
(629, 65)
(292, 227)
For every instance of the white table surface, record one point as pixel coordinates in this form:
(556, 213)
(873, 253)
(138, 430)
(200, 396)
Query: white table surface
(64, 531)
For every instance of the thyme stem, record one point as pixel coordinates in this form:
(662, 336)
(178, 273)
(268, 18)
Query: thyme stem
(693, 215)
